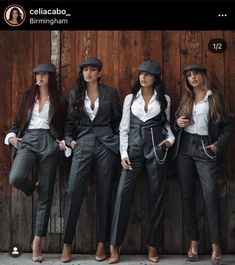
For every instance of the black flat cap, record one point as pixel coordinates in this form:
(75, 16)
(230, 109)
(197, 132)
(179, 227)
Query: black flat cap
(150, 67)
(45, 67)
(194, 67)
(92, 61)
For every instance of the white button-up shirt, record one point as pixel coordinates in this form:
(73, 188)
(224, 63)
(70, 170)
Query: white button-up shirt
(87, 103)
(137, 109)
(201, 112)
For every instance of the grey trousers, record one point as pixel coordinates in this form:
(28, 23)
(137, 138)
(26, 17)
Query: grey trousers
(89, 156)
(141, 157)
(37, 148)
(193, 159)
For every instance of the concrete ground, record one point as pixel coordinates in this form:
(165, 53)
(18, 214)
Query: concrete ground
(53, 259)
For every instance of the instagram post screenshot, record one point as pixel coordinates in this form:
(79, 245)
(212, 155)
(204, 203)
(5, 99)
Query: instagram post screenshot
(117, 132)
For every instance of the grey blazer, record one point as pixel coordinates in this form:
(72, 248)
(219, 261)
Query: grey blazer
(106, 123)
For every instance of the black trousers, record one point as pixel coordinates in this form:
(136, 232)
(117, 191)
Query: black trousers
(141, 157)
(89, 155)
(37, 148)
(191, 157)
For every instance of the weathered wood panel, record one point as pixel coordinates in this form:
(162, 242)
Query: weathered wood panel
(172, 74)
(121, 53)
(215, 64)
(229, 172)
(21, 206)
(5, 110)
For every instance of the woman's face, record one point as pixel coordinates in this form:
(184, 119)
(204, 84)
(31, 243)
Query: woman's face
(15, 14)
(146, 79)
(194, 78)
(91, 74)
(42, 78)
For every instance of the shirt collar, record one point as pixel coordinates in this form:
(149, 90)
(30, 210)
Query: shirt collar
(139, 93)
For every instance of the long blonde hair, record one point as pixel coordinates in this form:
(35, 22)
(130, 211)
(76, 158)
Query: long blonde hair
(218, 105)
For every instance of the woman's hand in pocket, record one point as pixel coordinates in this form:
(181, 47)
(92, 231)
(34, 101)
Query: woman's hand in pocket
(14, 140)
(166, 142)
(212, 148)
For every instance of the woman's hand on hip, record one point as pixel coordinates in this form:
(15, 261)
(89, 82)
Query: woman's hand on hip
(183, 122)
(126, 164)
(14, 140)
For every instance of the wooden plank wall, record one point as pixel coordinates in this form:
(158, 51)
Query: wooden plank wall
(121, 53)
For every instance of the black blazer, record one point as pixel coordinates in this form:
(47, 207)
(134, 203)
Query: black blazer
(219, 134)
(106, 123)
(56, 133)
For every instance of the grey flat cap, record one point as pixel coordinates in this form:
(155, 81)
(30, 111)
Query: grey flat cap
(92, 61)
(45, 67)
(151, 67)
(194, 67)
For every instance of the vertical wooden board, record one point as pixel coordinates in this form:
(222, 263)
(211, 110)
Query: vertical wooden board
(68, 61)
(107, 51)
(172, 68)
(151, 42)
(215, 65)
(21, 210)
(5, 124)
(129, 60)
(68, 80)
(191, 52)
(41, 47)
(173, 210)
(229, 37)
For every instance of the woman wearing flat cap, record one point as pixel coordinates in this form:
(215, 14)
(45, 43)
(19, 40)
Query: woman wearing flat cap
(145, 137)
(36, 135)
(204, 129)
(92, 131)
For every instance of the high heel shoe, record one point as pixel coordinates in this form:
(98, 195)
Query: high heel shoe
(66, 253)
(36, 258)
(193, 252)
(100, 252)
(152, 254)
(115, 254)
(216, 255)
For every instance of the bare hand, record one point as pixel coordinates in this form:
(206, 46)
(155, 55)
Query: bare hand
(213, 148)
(183, 122)
(73, 144)
(61, 145)
(126, 164)
(167, 143)
(14, 140)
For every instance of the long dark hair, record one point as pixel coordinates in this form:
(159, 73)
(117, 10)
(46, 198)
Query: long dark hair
(158, 86)
(80, 91)
(19, 18)
(55, 101)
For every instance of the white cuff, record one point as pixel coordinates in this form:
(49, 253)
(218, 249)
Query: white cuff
(124, 154)
(8, 136)
(67, 151)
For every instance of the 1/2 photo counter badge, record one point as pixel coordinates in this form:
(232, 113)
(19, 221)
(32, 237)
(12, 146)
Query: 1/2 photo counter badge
(14, 15)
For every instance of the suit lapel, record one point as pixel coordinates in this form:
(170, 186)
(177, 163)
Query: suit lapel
(101, 100)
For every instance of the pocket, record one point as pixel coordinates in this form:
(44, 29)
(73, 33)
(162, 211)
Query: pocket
(208, 152)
